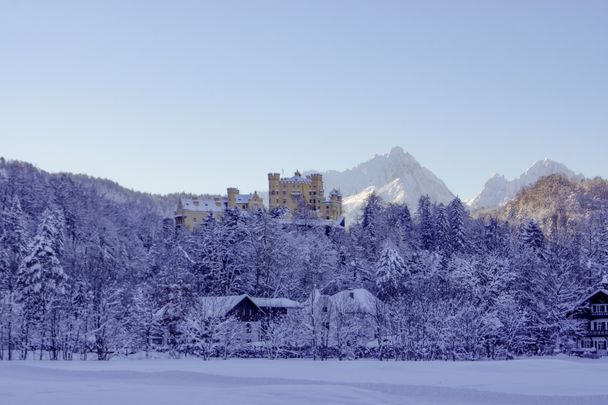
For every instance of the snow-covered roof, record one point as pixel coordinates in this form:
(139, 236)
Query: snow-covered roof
(356, 300)
(243, 198)
(219, 306)
(297, 178)
(203, 204)
(275, 302)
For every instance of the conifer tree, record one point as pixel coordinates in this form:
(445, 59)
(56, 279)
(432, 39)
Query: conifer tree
(391, 272)
(457, 215)
(426, 229)
(13, 248)
(41, 278)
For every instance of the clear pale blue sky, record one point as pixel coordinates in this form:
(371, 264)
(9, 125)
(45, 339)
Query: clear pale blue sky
(168, 96)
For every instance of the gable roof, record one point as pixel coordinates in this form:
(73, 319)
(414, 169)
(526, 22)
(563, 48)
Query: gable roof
(220, 306)
(275, 302)
(593, 294)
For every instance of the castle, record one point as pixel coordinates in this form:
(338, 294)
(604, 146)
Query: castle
(289, 193)
(191, 212)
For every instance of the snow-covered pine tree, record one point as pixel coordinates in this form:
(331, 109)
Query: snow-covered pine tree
(391, 273)
(426, 228)
(271, 255)
(398, 218)
(236, 254)
(457, 217)
(13, 248)
(41, 281)
(442, 230)
(373, 225)
(532, 236)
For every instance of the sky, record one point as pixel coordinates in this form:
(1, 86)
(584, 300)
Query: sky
(168, 96)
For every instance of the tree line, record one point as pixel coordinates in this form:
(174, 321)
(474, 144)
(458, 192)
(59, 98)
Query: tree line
(83, 275)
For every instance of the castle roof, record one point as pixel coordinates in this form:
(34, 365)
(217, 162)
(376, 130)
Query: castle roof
(297, 179)
(244, 198)
(202, 204)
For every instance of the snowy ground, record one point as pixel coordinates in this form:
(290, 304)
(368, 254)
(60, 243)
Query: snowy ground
(191, 381)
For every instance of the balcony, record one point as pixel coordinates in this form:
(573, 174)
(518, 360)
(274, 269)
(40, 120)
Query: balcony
(600, 314)
(598, 333)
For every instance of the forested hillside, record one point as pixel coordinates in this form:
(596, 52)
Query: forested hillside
(83, 271)
(557, 201)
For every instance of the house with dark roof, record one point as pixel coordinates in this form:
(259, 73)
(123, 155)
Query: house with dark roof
(251, 311)
(593, 308)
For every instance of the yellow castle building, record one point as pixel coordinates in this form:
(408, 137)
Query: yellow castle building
(290, 192)
(191, 212)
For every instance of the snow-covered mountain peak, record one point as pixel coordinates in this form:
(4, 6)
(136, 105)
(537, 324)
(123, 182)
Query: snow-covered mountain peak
(546, 167)
(497, 191)
(396, 176)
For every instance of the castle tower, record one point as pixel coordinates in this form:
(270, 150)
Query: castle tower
(274, 180)
(232, 193)
(317, 194)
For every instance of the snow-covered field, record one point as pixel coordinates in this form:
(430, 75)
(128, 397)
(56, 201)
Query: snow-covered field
(191, 381)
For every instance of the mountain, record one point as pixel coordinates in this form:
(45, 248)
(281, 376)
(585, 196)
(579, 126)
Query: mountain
(498, 190)
(557, 200)
(396, 177)
(34, 183)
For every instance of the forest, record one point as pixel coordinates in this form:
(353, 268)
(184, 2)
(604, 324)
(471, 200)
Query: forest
(84, 274)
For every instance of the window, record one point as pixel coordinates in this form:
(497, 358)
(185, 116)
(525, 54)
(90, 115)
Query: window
(352, 294)
(324, 309)
(326, 325)
(601, 345)
(248, 328)
(586, 344)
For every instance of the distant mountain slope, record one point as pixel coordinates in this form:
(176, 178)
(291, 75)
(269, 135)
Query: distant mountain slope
(498, 190)
(22, 173)
(556, 199)
(396, 176)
